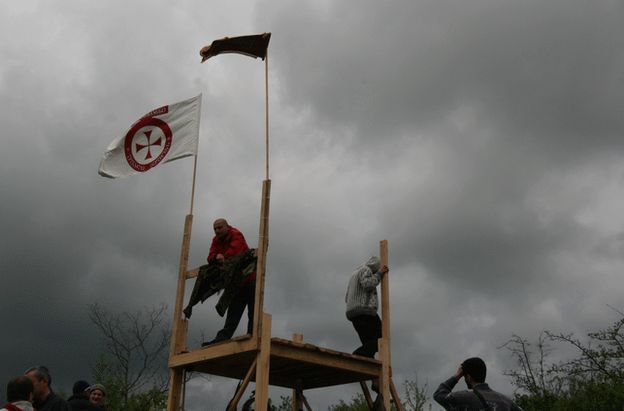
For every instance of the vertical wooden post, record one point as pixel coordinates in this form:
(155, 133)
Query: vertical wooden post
(179, 325)
(262, 367)
(263, 245)
(297, 400)
(384, 341)
(297, 397)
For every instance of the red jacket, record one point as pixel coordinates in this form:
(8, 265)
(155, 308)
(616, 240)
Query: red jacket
(232, 244)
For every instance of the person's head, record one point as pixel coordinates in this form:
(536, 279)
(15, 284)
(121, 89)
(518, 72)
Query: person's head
(80, 387)
(373, 263)
(41, 379)
(20, 389)
(97, 392)
(221, 227)
(474, 371)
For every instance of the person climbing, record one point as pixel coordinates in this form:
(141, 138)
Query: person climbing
(362, 303)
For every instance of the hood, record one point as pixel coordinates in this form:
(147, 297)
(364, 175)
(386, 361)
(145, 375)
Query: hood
(373, 263)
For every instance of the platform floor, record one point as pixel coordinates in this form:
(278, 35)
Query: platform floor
(290, 362)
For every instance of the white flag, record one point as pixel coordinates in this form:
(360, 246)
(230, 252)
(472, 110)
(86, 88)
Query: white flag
(165, 134)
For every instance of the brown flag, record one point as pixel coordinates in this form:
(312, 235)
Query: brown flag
(252, 46)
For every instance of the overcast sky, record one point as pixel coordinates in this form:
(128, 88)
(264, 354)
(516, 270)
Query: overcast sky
(483, 139)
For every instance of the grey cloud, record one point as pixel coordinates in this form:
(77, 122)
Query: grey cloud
(481, 139)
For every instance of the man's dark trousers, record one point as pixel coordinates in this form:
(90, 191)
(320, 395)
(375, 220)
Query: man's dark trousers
(245, 297)
(368, 328)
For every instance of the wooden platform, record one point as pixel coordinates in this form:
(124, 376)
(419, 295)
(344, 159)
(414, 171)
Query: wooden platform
(290, 363)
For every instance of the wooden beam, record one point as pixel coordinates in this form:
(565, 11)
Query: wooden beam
(367, 396)
(385, 297)
(297, 392)
(263, 245)
(384, 378)
(179, 328)
(305, 402)
(297, 396)
(174, 395)
(262, 369)
(227, 348)
(177, 314)
(384, 341)
(243, 386)
(370, 369)
(180, 338)
(395, 395)
(192, 273)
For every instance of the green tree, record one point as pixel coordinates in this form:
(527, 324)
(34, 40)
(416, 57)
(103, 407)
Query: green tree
(415, 399)
(357, 403)
(415, 395)
(133, 370)
(592, 380)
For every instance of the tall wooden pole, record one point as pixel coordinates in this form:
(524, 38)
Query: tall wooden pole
(180, 325)
(263, 365)
(179, 330)
(266, 112)
(193, 186)
(263, 236)
(262, 321)
(384, 341)
(263, 245)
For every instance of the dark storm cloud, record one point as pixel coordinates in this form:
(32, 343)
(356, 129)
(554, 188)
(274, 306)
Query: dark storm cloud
(482, 139)
(538, 72)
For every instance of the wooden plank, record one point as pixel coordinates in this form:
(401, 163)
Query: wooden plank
(180, 339)
(174, 396)
(297, 392)
(385, 298)
(263, 367)
(395, 395)
(297, 396)
(384, 342)
(367, 396)
(226, 348)
(305, 401)
(384, 380)
(242, 387)
(311, 347)
(192, 273)
(320, 358)
(178, 332)
(177, 314)
(263, 245)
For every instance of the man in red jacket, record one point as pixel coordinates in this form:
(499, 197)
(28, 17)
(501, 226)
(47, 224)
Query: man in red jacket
(227, 242)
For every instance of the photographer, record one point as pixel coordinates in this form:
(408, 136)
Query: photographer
(479, 396)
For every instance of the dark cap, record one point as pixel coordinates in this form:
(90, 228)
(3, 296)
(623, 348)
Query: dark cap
(80, 386)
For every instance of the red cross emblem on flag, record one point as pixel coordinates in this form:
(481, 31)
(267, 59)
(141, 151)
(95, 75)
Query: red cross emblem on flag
(147, 143)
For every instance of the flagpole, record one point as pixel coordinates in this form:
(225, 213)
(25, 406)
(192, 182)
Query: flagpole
(193, 186)
(266, 111)
(195, 162)
(179, 330)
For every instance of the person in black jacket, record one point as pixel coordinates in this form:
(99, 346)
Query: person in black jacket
(45, 398)
(79, 401)
(479, 395)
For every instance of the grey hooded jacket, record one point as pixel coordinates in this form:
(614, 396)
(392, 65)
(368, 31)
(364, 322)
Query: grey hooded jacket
(361, 296)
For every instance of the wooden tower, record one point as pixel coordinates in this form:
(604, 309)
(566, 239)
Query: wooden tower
(274, 361)
(259, 357)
